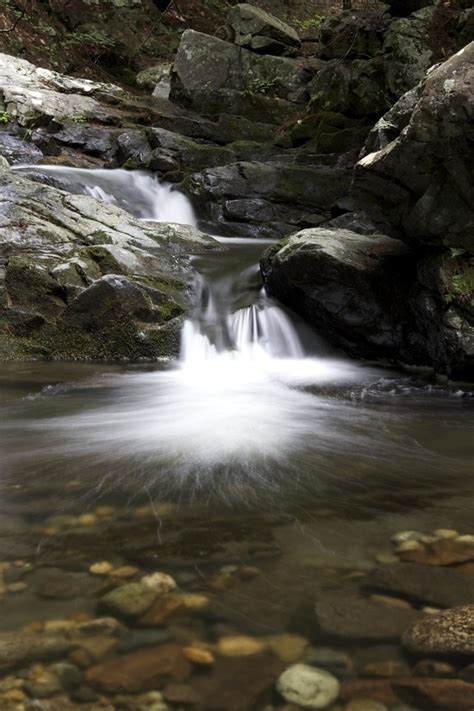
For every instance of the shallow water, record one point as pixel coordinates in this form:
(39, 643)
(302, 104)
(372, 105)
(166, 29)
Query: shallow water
(259, 447)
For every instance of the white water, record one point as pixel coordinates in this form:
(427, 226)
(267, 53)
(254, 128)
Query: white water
(238, 394)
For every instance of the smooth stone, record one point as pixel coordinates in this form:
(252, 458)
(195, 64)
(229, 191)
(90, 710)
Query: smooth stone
(102, 568)
(308, 686)
(138, 638)
(130, 600)
(365, 705)
(19, 649)
(435, 668)
(239, 646)
(199, 656)
(159, 582)
(288, 647)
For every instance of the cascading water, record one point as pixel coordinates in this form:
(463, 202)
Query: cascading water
(247, 397)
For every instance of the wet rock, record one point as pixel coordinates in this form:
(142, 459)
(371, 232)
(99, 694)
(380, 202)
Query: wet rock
(346, 284)
(239, 646)
(288, 647)
(102, 568)
(365, 705)
(450, 632)
(257, 30)
(437, 586)
(199, 656)
(436, 694)
(353, 35)
(380, 690)
(141, 670)
(221, 687)
(434, 667)
(19, 649)
(16, 151)
(151, 76)
(138, 638)
(441, 552)
(338, 663)
(130, 600)
(308, 687)
(214, 76)
(411, 180)
(347, 617)
(180, 694)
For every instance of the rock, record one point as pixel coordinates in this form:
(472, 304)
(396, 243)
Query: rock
(138, 638)
(288, 647)
(421, 180)
(101, 568)
(159, 582)
(17, 151)
(442, 587)
(257, 30)
(380, 690)
(346, 284)
(353, 35)
(140, 671)
(408, 50)
(365, 705)
(19, 649)
(437, 694)
(130, 600)
(158, 74)
(212, 76)
(239, 646)
(348, 617)
(308, 687)
(333, 660)
(84, 267)
(441, 552)
(435, 668)
(199, 656)
(180, 694)
(449, 633)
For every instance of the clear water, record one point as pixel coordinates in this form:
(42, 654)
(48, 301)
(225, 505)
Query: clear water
(258, 446)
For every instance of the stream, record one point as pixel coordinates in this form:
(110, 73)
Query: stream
(259, 449)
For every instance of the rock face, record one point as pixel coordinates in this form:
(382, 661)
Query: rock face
(449, 633)
(418, 173)
(346, 284)
(83, 279)
(255, 29)
(212, 77)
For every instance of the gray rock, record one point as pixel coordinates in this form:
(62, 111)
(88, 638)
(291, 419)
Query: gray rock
(212, 76)
(353, 35)
(351, 618)
(345, 283)
(257, 30)
(421, 181)
(430, 585)
(449, 633)
(130, 600)
(19, 649)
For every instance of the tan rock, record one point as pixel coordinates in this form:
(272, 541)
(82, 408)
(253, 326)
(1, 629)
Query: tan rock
(124, 572)
(159, 582)
(449, 632)
(288, 647)
(239, 646)
(87, 520)
(392, 601)
(101, 568)
(98, 647)
(445, 551)
(162, 608)
(199, 655)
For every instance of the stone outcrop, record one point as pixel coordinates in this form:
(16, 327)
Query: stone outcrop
(257, 30)
(351, 286)
(212, 76)
(83, 279)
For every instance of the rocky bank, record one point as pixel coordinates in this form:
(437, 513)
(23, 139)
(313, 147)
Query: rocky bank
(351, 144)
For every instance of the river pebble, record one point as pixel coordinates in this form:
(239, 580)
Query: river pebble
(239, 646)
(308, 687)
(101, 568)
(130, 600)
(159, 582)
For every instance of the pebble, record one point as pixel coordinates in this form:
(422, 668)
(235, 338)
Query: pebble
(199, 656)
(288, 647)
(466, 539)
(308, 687)
(239, 646)
(159, 582)
(130, 600)
(125, 571)
(404, 536)
(16, 587)
(87, 520)
(450, 632)
(385, 558)
(410, 545)
(104, 511)
(445, 533)
(101, 568)
(392, 601)
(434, 667)
(331, 659)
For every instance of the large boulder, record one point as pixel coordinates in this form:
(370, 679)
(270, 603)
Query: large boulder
(212, 76)
(351, 286)
(257, 30)
(83, 279)
(353, 35)
(417, 172)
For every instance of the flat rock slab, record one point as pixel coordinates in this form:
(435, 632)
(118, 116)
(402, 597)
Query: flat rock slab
(339, 615)
(431, 585)
(423, 693)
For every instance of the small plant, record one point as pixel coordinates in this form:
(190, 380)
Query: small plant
(260, 85)
(79, 118)
(4, 117)
(312, 23)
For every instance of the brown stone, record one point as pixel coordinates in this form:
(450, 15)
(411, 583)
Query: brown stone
(377, 689)
(199, 655)
(180, 694)
(239, 684)
(161, 609)
(386, 668)
(144, 670)
(434, 667)
(442, 552)
(436, 694)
